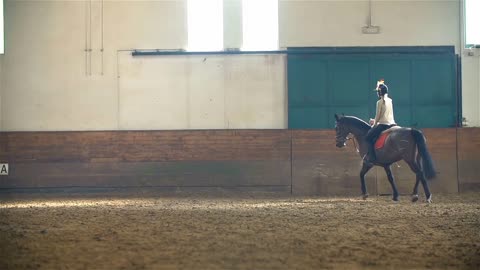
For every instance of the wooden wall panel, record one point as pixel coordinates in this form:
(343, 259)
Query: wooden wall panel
(469, 159)
(320, 168)
(442, 147)
(149, 174)
(255, 158)
(304, 162)
(131, 146)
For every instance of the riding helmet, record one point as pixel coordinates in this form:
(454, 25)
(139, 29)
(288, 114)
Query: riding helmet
(383, 89)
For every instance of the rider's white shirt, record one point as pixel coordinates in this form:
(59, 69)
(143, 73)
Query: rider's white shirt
(384, 111)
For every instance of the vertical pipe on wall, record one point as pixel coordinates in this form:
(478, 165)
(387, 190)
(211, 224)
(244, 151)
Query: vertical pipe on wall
(369, 19)
(90, 39)
(86, 38)
(118, 90)
(118, 87)
(102, 49)
(459, 94)
(459, 61)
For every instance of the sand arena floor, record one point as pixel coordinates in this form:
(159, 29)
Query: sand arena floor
(225, 232)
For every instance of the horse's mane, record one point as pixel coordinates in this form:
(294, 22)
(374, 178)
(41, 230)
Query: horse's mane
(357, 122)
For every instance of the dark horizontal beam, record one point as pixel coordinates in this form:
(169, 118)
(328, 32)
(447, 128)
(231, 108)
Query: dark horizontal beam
(313, 50)
(182, 52)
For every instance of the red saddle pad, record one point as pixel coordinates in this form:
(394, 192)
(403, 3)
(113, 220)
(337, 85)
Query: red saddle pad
(381, 140)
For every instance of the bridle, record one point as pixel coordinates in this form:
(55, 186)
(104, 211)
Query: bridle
(341, 138)
(354, 143)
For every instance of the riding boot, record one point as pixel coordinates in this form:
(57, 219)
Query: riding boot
(371, 157)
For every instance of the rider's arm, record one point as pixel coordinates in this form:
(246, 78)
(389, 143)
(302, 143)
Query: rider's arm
(380, 111)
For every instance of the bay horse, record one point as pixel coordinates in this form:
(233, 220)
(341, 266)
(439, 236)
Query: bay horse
(406, 144)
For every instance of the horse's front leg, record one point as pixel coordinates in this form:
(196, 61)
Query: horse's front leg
(392, 182)
(365, 168)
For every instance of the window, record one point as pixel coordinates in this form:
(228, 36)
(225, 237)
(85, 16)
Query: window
(472, 22)
(260, 25)
(205, 25)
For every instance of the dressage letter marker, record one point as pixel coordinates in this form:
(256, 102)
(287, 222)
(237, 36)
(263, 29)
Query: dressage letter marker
(3, 168)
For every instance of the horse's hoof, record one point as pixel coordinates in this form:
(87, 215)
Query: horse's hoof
(365, 196)
(415, 198)
(395, 200)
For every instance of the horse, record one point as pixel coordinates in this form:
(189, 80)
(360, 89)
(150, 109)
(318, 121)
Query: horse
(402, 143)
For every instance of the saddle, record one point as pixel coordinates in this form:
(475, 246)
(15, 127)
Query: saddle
(380, 141)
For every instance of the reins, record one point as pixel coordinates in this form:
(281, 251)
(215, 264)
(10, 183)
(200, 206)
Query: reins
(354, 142)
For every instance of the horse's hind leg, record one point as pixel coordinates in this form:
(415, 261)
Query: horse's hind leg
(419, 178)
(365, 168)
(428, 195)
(392, 182)
(415, 190)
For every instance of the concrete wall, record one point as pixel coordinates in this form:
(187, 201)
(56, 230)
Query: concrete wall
(52, 81)
(1, 88)
(201, 92)
(339, 22)
(471, 88)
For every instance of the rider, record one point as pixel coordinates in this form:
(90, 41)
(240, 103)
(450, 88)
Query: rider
(383, 119)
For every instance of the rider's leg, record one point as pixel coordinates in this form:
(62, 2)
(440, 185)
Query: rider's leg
(370, 138)
(371, 156)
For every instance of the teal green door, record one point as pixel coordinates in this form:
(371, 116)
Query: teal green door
(308, 103)
(434, 98)
(422, 86)
(350, 87)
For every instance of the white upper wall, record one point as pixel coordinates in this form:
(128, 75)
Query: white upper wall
(143, 24)
(339, 23)
(50, 81)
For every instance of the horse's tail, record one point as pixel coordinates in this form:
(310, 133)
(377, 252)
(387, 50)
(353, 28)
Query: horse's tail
(426, 159)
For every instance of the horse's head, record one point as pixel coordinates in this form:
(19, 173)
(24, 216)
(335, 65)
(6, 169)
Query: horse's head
(341, 131)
